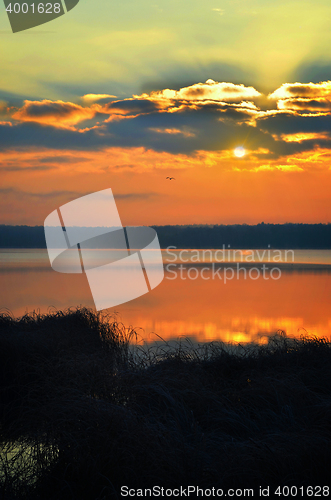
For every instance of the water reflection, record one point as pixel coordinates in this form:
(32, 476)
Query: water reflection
(239, 310)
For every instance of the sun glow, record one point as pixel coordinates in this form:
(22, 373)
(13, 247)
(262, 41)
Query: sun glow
(239, 152)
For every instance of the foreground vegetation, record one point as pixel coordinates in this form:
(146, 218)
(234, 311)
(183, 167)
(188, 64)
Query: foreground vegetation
(82, 413)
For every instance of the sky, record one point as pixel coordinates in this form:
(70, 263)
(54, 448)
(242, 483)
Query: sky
(124, 95)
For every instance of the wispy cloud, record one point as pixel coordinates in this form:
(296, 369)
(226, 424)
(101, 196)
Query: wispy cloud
(55, 113)
(21, 168)
(41, 195)
(219, 11)
(97, 97)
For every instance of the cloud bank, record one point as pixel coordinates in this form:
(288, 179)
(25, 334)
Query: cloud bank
(203, 117)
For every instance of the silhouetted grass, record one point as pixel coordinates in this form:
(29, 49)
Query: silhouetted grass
(82, 413)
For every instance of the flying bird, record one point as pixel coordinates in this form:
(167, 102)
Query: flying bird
(170, 178)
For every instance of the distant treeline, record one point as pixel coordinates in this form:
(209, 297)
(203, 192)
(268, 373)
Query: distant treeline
(310, 236)
(304, 236)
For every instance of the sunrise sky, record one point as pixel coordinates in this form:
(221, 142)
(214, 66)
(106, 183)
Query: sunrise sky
(124, 95)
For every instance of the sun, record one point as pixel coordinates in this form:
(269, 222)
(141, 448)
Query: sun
(239, 152)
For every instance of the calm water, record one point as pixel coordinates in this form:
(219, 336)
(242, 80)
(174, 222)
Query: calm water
(192, 301)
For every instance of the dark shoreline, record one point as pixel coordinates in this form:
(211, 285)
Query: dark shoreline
(90, 414)
(241, 236)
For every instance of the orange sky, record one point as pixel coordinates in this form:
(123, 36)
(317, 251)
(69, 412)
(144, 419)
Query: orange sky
(54, 151)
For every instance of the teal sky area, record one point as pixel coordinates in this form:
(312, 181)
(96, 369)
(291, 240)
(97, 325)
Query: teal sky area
(137, 45)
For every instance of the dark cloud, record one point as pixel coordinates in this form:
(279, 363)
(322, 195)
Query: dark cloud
(302, 104)
(16, 168)
(72, 194)
(62, 159)
(50, 194)
(311, 90)
(42, 109)
(211, 130)
(210, 116)
(4, 191)
(58, 113)
(132, 106)
(137, 196)
(303, 90)
(289, 123)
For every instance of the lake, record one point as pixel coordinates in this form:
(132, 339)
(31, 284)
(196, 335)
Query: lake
(205, 296)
